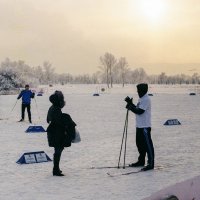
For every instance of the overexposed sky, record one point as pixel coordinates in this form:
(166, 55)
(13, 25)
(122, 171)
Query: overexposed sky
(158, 35)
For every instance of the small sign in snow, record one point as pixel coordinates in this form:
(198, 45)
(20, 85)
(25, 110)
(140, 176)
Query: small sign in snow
(34, 157)
(172, 122)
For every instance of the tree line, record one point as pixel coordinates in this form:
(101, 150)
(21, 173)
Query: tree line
(15, 74)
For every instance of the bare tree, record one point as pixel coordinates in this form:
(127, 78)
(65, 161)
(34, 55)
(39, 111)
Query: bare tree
(108, 61)
(123, 69)
(103, 74)
(162, 78)
(195, 78)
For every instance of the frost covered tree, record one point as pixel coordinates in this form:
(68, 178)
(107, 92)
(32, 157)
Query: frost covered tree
(9, 80)
(138, 75)
(49, 72)
(27, 74)
(65, 78)
(20, 71)
(39, 73)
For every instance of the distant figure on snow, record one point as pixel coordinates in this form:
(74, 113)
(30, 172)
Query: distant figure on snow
(143, 127)
(61, 129)
(26, 102)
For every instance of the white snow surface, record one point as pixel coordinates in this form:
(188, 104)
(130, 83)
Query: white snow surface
(100, 121)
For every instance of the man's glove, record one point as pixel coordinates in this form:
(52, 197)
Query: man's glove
(128, 100)
(33, 95)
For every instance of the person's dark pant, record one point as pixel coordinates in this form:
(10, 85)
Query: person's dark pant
(145, 145)
(28, 106)
(56, 158)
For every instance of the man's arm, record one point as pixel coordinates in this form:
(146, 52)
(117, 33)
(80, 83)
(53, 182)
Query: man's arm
(20, 95)
(134, 109)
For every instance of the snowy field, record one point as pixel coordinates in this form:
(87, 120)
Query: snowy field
(100, 121)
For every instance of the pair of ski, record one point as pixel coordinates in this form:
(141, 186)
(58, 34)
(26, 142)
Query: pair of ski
(124, 173)
(117, 174)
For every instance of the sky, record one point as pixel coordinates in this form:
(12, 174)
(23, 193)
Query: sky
(158, 35)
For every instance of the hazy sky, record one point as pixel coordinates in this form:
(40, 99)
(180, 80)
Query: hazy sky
(158, 35)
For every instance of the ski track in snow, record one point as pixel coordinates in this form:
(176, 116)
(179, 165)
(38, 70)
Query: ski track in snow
(100, 122)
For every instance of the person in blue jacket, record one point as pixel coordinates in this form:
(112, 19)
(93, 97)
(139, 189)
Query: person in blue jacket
(26, 102)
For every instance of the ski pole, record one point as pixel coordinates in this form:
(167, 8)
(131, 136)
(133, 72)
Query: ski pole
(123, 138)
(12, 109)
(125, 142)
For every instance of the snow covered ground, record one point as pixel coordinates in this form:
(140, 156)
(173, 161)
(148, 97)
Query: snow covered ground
(100, 121)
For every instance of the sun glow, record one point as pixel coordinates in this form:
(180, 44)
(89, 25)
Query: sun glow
(153, 10)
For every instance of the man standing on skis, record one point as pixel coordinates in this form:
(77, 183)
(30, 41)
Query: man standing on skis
(26, 102)
(143, 127)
